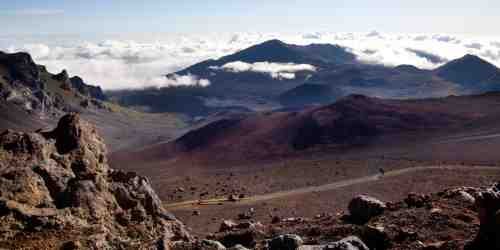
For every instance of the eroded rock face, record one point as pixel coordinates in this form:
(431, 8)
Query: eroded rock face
(87, 90)
(58, 183)
(488, 206)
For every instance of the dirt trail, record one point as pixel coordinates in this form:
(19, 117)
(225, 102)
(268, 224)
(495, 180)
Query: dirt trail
(326, 187)
(469, 138)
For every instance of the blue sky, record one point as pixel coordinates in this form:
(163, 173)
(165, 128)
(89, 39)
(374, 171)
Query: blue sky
(190, 16)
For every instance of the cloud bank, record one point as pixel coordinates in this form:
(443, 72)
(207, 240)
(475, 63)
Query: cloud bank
(176, 80)
(137, 61)
(275, 70)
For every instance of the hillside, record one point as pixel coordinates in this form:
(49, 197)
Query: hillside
(308, 94)
(32, 98)
(350, 121)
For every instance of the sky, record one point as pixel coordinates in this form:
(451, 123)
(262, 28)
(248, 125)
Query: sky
(194, 16)
(133, 44)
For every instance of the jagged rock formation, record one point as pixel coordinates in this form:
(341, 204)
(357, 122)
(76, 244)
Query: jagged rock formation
(20, 66)
(86, 89)
(30, 86)
(57, 191)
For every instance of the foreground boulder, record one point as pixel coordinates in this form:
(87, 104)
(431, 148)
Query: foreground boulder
(362, 208)
(349, 243)
(286, 242)
(488, 206)
(197, 245)
(57, 190)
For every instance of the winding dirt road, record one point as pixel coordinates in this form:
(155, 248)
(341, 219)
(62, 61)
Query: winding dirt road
(325, 187)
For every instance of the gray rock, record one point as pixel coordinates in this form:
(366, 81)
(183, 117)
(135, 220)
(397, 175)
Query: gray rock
(285, 242)
(349, 243)
(61, 180)
(212, 245)
(238, 247)
(488, 205)
(362, 208)
(227, 225)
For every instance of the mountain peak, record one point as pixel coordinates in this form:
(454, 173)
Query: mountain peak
(273, 42)
(278, 51)
(467, 70)
(473, 58)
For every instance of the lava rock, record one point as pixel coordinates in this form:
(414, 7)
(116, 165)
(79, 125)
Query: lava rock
(362, 208)
(349, 243)
(417, 200)
(227, 225)
(285, 242)
(60, 180)
(488, 205)
(238, 247)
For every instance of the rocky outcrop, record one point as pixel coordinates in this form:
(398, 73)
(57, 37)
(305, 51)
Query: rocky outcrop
(198, 245)
(349, 243)
(31, 87)
(488, 206)
(20, 66)
(362, 208)
(86, 89)
(285, 242)
(77, 84)
(63, 78)
(58, 186)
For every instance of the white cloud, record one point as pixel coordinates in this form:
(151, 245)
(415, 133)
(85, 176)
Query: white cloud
(176, 80)
(133, 61)
(275, 70)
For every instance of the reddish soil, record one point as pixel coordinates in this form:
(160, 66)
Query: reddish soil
(334, 201)
(448, 131)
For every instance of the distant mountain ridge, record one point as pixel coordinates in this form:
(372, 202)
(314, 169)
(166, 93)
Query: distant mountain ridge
(280, 52)
(337, 72)
(470, 72)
